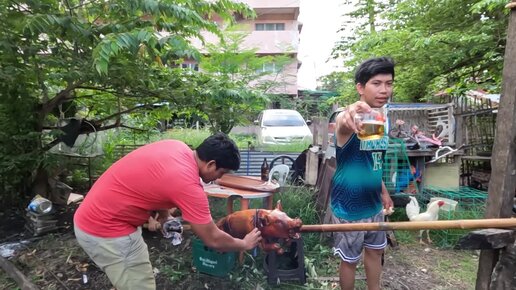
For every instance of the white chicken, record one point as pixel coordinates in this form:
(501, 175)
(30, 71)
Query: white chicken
(431, 214)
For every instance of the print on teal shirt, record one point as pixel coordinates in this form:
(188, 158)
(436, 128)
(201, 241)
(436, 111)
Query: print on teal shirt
(377, 160)
(374, 145)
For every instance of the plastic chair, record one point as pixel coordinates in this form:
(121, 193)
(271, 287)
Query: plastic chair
(282, 171)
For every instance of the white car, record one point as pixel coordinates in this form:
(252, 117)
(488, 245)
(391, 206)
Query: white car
(279, 126)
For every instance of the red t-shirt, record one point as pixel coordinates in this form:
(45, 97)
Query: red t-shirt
(156, 176)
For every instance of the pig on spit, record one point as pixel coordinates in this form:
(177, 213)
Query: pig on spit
(276, 227)
(431, 214)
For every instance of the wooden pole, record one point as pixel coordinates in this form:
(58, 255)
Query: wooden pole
(23, 282)
(503, 161)
(420, 225)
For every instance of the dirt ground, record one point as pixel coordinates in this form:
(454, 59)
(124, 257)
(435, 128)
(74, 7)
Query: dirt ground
(55, 261)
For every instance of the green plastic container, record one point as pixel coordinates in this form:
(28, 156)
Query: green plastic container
(211, 262)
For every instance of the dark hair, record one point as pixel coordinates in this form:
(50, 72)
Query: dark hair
(222, 149)
(373, 67)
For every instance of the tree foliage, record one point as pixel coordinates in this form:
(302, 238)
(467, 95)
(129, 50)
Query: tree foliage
(92, 60)
(235, 83)
(438, 45)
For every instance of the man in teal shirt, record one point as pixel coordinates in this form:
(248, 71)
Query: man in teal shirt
(358, 193)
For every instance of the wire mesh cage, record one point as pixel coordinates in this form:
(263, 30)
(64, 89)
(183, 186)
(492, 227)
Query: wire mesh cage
(460, 203)
(398, 174)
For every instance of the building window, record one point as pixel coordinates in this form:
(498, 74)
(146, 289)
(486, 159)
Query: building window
(269, 26)
(192, 66)
(269, 67)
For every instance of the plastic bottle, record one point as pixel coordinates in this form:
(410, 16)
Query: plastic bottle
(40, 205)
(265, 170)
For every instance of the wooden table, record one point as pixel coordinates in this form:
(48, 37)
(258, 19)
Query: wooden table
(245, 195)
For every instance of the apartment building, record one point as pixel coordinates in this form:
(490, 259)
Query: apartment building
(275, 31)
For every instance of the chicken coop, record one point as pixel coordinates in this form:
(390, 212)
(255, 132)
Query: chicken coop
(427, 117)
(409, 172)
(433, 123)
(460, 203)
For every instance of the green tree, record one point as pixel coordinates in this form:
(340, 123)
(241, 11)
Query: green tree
(437, 45)
(91, 60)
(236, 81)
(331, 81)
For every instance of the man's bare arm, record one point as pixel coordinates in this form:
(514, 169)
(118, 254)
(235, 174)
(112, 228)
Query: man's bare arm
(219, 240)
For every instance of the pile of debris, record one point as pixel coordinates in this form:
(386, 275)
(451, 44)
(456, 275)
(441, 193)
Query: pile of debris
(39, 224)
(43, 217)
(40, 216)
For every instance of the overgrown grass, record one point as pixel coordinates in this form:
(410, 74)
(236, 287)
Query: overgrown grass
(462, 270)
(301, 202)
(295, 147)
(195, 137)
(190, 136)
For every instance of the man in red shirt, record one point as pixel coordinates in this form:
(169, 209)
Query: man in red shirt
(157, 176)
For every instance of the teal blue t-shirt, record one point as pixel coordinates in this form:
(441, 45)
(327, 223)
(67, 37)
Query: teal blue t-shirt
(357, 183)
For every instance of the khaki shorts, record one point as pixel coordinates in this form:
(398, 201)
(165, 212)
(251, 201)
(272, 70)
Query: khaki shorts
(349, 245)
(125, 260)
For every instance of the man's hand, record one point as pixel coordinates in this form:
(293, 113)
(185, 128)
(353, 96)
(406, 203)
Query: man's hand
(388, 205)
(252, 239)
(346, 119)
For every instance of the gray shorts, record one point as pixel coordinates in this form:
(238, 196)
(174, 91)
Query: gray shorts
(125, 260)
(349, 245)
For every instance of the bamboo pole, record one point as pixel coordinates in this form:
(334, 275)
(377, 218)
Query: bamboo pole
(419, 225)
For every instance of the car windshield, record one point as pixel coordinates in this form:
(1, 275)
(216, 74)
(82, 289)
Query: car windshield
(283, 120)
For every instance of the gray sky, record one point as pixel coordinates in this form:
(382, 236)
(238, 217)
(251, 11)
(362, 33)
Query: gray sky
(321, 19)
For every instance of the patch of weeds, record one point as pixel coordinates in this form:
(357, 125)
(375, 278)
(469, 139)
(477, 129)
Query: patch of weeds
(301, 202)
(189, 136)
(461, 270)
(360, 284)
(244, 141)
(292, 147)
(172, 273)
(218, 207)
(406, 237)
(6, 282)
(249, 276)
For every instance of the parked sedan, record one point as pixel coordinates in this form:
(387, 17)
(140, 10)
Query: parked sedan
(279, 126)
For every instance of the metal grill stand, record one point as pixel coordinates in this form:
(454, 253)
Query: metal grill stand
(272, 264)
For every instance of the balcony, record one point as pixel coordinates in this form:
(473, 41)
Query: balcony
(274, 6)
(271, 3)
(266, 42)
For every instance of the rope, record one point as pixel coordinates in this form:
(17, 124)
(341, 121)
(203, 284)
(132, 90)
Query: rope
(256, 224)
